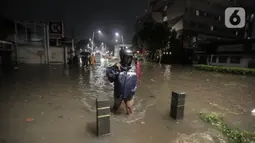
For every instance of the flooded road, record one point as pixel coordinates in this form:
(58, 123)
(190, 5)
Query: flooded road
(62, 103)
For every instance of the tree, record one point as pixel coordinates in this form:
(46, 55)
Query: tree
(136, 42)
(152, 36)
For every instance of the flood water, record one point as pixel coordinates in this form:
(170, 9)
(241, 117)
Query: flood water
(62, 102)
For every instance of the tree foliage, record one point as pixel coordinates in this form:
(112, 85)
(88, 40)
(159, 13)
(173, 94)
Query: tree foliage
(152, 36)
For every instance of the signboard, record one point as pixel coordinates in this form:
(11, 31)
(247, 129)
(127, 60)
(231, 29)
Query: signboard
(56, 30)
(231, 48)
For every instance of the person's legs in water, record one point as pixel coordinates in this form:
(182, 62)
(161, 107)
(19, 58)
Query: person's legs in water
(86, 62)
(83, 62)
(129, 102)
(117, 104)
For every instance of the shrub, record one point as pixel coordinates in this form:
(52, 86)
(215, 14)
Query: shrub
(233, 135)
(233, 70)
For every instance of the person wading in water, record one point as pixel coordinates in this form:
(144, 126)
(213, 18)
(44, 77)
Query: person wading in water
(124, 76)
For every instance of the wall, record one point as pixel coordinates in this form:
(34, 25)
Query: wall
(56, 55)
(210, 18)
(243, 62)
(178, 25)
(29, 55)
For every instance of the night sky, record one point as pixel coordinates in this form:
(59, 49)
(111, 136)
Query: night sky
(81, 16)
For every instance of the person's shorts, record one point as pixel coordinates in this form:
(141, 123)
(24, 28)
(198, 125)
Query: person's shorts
(129, 98)
(118, 100)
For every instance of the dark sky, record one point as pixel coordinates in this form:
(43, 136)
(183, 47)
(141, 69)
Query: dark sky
(84, 16)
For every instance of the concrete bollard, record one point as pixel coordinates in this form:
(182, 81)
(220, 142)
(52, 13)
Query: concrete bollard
(177, 105)
(103, 117)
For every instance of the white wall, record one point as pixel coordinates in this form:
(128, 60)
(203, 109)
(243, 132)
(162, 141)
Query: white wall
(56, 55)
(178, 25)
(243, 62)
(29, 55)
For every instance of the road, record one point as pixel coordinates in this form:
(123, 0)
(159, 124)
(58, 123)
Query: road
(62, 105)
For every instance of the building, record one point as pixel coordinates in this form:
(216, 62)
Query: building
(200, 24)
(35, 45)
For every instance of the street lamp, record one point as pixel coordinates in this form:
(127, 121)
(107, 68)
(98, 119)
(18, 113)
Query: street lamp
(93, 36)
(121, 36)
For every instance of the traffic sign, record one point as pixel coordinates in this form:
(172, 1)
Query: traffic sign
(56, 29)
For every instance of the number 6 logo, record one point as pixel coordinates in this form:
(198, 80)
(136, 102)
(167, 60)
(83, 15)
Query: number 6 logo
(235, 17)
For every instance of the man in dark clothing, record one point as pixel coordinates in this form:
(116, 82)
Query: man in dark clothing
(75, 60)
(85, 60)
(123, 74)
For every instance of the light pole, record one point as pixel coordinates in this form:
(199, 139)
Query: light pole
(102, 44)
(93, 36)
(121, 36)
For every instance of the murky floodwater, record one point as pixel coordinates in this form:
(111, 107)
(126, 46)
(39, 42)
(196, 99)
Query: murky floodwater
(206, 91)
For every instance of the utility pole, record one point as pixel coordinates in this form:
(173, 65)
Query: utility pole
(93, 36)
(48, 43)
(73, 40)
(122, 39)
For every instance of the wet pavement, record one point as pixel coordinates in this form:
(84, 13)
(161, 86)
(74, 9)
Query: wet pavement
(61, 104)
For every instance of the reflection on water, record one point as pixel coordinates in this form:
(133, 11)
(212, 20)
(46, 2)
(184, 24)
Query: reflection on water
(167, 72)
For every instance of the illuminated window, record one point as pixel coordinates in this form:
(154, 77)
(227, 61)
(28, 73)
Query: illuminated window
(252, 16)
(212, 28)
(165, 19)
(197, 12)
(165, 8)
